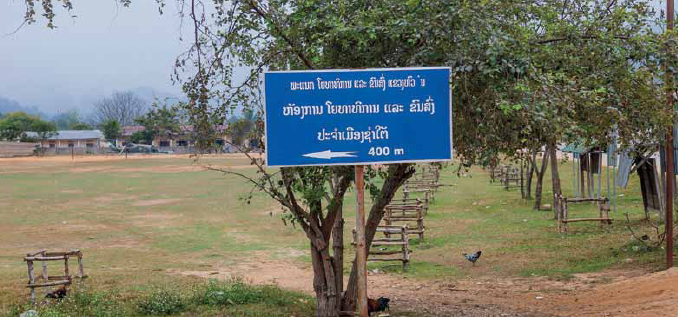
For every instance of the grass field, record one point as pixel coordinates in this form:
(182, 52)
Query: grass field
(165, 222)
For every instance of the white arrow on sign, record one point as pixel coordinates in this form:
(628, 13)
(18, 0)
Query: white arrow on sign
(329, 154)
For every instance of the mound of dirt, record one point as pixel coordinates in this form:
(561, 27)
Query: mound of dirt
(649, 295)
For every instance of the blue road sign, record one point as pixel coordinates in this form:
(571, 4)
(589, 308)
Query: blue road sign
(358, 117)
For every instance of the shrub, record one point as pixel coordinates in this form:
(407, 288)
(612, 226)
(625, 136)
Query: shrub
(234, 292)
(161, 302)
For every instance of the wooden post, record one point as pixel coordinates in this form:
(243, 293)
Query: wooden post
(420, 224)
(361, 247)
(600, 214)
(522, 189)
(406, 246)
(559, 212)
(82, 271)
(564, 202)
(31, 279)
(44, 269)
(66, 265)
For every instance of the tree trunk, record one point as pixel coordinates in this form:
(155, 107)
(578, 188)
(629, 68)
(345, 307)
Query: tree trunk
(522, 180)
(540, 181)
(397, 175)
(530, 173)
(338, 253)
(555, 177)
(319, 229)
(326, 303)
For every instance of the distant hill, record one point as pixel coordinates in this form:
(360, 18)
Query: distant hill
(8, 105)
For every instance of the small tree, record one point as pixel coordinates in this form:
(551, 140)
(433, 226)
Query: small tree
(44, 129)
(159, 122)
(111, 129)
(239, 129)
(143, 137)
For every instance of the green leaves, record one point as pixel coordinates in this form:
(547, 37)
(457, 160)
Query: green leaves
(15, 125)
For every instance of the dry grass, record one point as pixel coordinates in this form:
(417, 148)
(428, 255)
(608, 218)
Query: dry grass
(164, 220)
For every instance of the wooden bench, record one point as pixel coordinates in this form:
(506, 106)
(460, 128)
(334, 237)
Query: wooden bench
(563, 213)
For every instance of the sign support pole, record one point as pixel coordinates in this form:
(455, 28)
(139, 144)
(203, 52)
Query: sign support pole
(670, 177)
(361, 247)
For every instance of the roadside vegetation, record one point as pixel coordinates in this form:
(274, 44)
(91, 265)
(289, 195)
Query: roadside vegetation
(206, 298)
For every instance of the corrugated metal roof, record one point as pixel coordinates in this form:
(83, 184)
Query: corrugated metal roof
(72, 135)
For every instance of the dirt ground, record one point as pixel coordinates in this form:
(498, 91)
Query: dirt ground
(112, 157)
(81, 164)
(615, 293)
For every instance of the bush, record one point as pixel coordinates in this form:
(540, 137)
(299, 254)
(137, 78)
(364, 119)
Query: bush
(161, 302)
(234, 292)
(78, 302)
(223, 298)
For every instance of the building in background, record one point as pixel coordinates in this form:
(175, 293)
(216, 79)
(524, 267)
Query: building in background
(182, 142)
(78, 139)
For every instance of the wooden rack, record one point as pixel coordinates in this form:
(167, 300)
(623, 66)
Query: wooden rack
(395, 236)
(47, 281)
(563, 213)
(411, 201)
(511, 175)
(408, 214)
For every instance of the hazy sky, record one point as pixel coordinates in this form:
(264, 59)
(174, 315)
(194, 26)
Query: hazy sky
(106, 48)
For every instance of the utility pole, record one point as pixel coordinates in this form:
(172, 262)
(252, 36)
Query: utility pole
(671, 178)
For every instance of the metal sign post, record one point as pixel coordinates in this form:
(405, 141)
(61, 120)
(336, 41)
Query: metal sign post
(358, 117)
(361, 247)
(671, 177)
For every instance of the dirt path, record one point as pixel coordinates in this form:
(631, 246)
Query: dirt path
(646, 295)
(613, 293)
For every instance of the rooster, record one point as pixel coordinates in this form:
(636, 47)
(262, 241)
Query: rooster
(473, 257)
(58, 294)
(377, 305)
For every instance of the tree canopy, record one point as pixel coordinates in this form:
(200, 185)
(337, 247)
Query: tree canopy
(111, 129)
(14, 126)
(158, 122)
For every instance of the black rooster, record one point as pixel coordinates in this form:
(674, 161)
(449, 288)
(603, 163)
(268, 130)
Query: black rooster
(377, 305)
(58, 294)
(473, 257)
